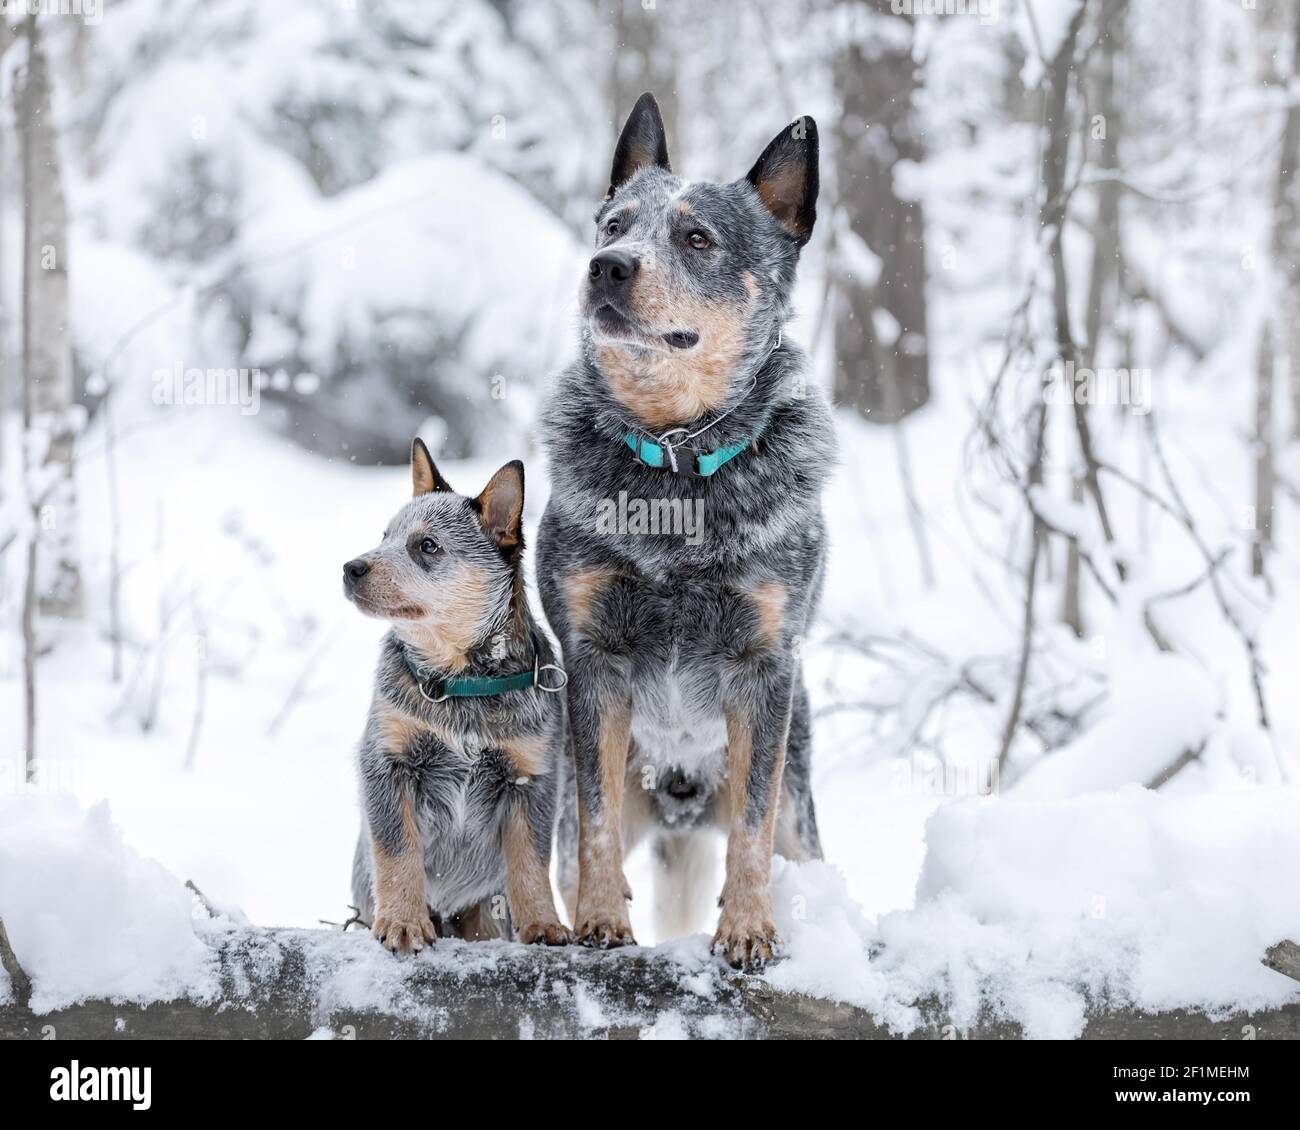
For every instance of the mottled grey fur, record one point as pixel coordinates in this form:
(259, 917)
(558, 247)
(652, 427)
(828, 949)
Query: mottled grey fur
(451, 763)
(677, 631)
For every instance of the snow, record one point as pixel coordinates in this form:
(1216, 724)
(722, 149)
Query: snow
(1138, 898)
(1160, 708)
(87, 916)
(668, 1025)
(386, 247)
(1032, 910)
(1024, 910)
(1042, 26)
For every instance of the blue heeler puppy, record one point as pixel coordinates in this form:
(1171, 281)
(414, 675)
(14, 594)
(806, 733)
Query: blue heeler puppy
(460, 757)
(687, 708)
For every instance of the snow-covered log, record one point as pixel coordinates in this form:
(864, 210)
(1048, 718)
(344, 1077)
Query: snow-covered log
(294, 984)
(1285, 958)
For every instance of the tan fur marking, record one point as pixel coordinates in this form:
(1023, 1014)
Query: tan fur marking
(527, 754)
(639, 818)
(397, 730)
(424, 476)
(447, 632)
(401, 913)
(683, 207)
(399, 877)
(501, 506)
(746, 918)
(602, 886)
(383, 596)
(615, 737)
(770, 600)
(581, 588)
(782, 193)
(662, 389)
(421, 477)
(528, 885)
(639, 814)
(740, 756)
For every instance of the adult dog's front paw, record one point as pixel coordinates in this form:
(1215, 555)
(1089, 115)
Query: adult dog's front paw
(404, 933)
(604, 929)
(545, 934)
(746, 942)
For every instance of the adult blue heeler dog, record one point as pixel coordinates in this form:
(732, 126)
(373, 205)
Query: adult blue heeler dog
(687, 707)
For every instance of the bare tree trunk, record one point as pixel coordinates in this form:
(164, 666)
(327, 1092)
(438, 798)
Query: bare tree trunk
(1052, 217)
(878, 128)
(48, 417)
(1284, 282)
(1293, 370)
(1293, 367)
(1288, 241)
(1103, 283)
(7, 37)
(643, 61)
(29, 664)
(5, 317)
(1264, 471)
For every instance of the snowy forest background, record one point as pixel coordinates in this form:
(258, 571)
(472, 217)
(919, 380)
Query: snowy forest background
(1078, 599)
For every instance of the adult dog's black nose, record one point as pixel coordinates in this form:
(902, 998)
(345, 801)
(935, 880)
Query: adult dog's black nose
(354, 570)
(612, 268)
(680, 786)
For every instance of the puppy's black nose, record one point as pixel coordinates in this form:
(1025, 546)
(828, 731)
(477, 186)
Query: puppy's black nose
(612, 267)
(354, 570)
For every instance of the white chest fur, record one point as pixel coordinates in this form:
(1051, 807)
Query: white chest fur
(676, 724)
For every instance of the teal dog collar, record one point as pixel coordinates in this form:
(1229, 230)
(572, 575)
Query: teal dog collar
(438, 688)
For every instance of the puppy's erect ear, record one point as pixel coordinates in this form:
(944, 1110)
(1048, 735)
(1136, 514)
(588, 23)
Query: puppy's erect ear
(786, 178)
(642, 143)
(501, 506)
(424, 475)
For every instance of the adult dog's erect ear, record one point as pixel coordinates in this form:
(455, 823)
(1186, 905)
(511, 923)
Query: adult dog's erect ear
(786, 178)
(642, 143)
(424, 475)
(501, 506)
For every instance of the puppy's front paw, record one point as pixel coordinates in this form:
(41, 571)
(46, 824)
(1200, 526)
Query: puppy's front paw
(404, 933)
(604, 930)
(545, 934)
(748, 942)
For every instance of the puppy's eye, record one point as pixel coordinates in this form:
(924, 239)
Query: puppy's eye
(428, 547)
(698, 240)
(613, 227)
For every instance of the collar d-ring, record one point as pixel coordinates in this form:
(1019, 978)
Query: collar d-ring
(560, 671)
(422, 678)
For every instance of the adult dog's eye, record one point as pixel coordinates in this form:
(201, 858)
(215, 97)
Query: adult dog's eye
(698, 240)
(613, 227)
(428, 547)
